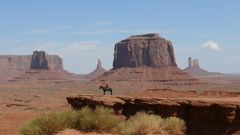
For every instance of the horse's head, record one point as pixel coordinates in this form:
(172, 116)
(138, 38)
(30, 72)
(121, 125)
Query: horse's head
(100, 87)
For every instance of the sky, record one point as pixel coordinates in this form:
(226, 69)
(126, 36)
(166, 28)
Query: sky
(81, 31)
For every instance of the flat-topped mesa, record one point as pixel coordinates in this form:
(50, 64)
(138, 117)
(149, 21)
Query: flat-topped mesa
(144, 50)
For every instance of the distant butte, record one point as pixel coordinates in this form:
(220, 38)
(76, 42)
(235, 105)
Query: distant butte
(146, 58)
(97, 72)
(195, 69)
(15, 65)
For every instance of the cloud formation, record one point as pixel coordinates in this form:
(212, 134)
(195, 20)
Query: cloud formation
(211, 45)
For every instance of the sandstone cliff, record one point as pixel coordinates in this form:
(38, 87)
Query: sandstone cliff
(202, 116)
(144, 50)
(39, 60)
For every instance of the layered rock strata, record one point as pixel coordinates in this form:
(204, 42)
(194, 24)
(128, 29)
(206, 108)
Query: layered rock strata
(202, 116)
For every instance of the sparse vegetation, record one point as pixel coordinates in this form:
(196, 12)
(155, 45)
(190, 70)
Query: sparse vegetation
(49, 124)
(102, 120)
(143, 124)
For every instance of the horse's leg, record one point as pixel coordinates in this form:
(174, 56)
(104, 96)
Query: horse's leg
(111, 92)
(104, 92)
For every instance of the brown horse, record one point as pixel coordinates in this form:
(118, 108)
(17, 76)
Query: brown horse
(105, 89)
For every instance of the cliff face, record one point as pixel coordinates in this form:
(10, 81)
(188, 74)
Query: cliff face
(202, 117)
(144, 50)
(18, 62)
(39, 60)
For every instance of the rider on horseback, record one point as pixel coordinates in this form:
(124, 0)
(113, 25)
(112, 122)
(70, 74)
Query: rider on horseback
(107, 85)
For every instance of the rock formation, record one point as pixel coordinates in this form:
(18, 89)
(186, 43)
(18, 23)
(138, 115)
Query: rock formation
(13, 65)
(202, 117)
(97, 72)
(146, 59)
(144, 50)
(195, 69)
(39, 60)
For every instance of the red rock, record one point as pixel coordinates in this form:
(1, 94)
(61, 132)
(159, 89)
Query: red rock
(203, 117)
(144, 50)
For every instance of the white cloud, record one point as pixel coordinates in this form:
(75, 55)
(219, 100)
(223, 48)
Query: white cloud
(211, 45)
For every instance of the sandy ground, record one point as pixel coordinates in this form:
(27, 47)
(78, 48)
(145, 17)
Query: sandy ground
(19, 103)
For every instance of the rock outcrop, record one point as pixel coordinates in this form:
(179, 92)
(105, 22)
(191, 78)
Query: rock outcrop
(145, 59)
(203, 117)
(97, 72)
(195, 69)
(144, 50)
(39, 60)
(15, 65)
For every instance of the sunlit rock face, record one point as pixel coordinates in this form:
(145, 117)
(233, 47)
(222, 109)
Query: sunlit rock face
(144, 50)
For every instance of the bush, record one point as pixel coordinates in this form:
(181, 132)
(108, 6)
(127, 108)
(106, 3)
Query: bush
(48, 124)
(142, 124)
(175, 125)
(103, 120)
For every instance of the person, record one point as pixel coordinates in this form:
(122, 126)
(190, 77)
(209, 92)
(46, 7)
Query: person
(107, 85)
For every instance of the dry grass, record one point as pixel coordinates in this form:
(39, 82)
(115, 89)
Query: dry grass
(103, 120)
(144, 124)
(49, 124)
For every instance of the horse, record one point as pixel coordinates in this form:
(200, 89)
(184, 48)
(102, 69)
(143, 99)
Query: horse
(105, 89)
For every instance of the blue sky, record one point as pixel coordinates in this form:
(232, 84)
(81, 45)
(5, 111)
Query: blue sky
(81, 31)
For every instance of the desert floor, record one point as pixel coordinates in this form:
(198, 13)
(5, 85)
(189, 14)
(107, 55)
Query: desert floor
(20, 102)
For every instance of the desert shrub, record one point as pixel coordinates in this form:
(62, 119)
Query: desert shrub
(103, 120)
(100, 119)
(175, 125)
(48, 124)
(142, 124)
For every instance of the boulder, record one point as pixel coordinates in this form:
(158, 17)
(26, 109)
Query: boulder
(39, 60)
(144, 50)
